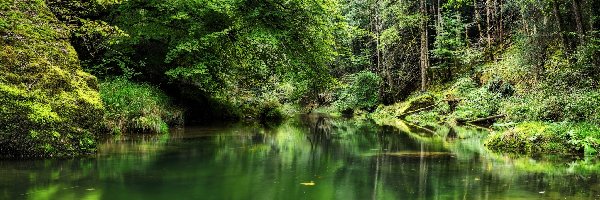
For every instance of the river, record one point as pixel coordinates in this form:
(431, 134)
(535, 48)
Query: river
(311, 157)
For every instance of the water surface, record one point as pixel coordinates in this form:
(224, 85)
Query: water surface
(312, 157)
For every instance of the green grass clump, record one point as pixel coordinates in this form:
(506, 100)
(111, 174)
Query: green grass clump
(49, 107)
(133, 107)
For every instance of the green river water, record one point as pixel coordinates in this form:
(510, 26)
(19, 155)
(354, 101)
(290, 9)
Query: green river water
(312, 157)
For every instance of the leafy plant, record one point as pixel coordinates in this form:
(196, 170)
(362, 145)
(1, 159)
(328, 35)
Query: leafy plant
(133, 107)
(362, 93)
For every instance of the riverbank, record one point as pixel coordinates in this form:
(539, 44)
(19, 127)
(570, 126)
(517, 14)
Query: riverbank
(519, 121)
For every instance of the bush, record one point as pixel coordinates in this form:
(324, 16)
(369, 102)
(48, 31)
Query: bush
(554, 104)
(582, 106)
(588, 58)
(263, 106)
(462, 87)
(271, 112)
(413, 103)
(528, 108)
(362, 93)
(478, 103)
(133, 107)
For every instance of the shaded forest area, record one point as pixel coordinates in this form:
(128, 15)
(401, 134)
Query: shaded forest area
(73, 70)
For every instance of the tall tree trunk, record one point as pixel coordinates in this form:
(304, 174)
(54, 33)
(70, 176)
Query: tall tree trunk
(494, 15)
(440, 18)
(494, 20)
(588, 13)
(488, 13)
(578, 21)
(390, 81)
(501, 24)
(558, 19)
(377, 34)
(424, 46)
(478, 19)
(376, 29)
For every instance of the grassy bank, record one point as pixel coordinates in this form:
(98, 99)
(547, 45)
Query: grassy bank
(530, 122)
(134, 107)
(528, 112)
(542, 137)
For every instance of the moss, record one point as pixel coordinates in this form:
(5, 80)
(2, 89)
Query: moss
(535, 138)
(48, 106)
(413, 103)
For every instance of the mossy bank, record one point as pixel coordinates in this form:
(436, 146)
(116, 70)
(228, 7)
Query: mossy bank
(48, 105)
(538, 122)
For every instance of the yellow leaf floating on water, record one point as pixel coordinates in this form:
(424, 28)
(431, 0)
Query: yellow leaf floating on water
(311, 183)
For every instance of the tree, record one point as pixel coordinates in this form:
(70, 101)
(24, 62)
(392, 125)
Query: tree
(239, 53)
(424, 45)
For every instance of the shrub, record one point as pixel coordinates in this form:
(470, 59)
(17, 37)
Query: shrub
(478, 103)
(362, 93)
(413, 103)
(263, 106)
(553, 104)
(588, 58)
(271, 112)
(582, 106)
(462, 86)
(137, 107)
(533, 106)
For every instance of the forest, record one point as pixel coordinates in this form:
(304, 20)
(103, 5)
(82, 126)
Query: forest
(73, 71)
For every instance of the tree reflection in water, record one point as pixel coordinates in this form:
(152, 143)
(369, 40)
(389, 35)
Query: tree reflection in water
(344, 159)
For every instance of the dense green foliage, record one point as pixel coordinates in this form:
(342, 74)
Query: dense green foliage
(486, 61)
(132, 107)
(48, 105)
(507, 62)
(227, 59)
(238, 55)
(362, 93)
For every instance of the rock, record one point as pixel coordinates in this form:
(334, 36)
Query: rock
(49, 107)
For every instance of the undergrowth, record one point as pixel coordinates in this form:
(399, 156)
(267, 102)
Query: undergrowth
(134, 107)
